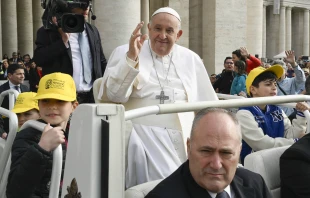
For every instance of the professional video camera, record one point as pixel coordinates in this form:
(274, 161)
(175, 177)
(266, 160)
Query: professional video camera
(61, 9)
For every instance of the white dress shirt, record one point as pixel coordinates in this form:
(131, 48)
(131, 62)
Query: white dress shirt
(12, 86)
(77, 62)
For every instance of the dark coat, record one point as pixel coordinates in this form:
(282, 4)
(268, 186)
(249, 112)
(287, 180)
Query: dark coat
(31, 167)
(224, 82)
(12, 60)
(181, 184)
(5, 104)
(34, 79)
(52, 55)
(295, 169)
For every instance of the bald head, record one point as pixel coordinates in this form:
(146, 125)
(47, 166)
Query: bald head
(214, 148)
(210, 111)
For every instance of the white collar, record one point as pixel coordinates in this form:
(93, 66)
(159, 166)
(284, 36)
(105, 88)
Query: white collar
(12, 85)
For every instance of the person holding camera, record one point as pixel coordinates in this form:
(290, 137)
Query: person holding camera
(77, 54)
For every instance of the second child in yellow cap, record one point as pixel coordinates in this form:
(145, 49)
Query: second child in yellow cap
(267, 126)
(32, 149)
(26, 107)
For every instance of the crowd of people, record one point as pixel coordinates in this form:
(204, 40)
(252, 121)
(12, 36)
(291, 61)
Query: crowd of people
(153, 69)
(33, 72)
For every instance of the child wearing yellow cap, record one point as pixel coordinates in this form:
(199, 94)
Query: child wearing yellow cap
(31, 167)
(267, 126)
(26, 107)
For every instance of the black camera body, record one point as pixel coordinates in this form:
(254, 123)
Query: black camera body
(61, 9)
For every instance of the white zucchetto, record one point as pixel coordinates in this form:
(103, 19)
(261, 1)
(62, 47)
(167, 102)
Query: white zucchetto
(169, 11)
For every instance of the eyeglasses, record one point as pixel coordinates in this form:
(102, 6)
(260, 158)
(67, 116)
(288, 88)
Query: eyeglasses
(229, 63)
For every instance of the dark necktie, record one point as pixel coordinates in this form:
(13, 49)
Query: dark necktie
(17, 88)
(223, 194)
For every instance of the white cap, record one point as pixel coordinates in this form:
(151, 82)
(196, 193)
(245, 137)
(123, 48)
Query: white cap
(169, 11)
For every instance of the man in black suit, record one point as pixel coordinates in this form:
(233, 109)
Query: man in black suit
(14, 58)
(211, 169)
(16, 76)
(295, 169)
(58, 51)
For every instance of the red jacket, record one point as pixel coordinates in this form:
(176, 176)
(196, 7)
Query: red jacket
(252, 62)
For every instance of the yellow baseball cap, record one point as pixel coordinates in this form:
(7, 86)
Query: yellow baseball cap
(58, 86)
(24, 102)
(276, 69)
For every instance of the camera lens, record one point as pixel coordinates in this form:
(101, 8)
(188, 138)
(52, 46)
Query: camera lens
(71, 22)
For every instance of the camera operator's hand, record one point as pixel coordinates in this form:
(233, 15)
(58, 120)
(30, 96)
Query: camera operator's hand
(290, 57)
(64, 36)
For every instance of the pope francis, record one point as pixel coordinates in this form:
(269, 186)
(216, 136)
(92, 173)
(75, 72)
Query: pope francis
(151, 71)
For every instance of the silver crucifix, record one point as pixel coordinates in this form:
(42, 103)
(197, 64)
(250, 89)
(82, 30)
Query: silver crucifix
(162, 97)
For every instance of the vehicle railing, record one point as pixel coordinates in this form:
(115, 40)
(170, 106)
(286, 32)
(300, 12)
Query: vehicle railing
(173, 108)
(186, 107)
(228, 96)
(12, 97)
(13, 123)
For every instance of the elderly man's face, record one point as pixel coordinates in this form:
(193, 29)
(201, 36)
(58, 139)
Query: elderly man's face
(163, 32)
(214, 151)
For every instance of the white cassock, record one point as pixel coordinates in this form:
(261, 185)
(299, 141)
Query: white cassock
(157, 143)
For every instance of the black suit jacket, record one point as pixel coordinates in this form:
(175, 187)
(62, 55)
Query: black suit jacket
(52, 55)
(181, 184)
(224, 82)
(34, 79)
(4, 123)
(12, 60)
(295, 170)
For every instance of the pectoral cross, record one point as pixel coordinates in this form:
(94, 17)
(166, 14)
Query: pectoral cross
(162, 97)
